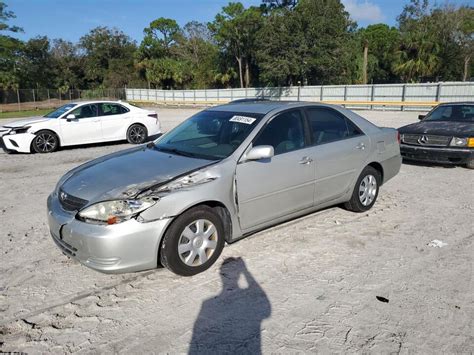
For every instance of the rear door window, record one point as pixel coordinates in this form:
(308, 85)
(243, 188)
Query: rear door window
(328, 125)
(108, 109)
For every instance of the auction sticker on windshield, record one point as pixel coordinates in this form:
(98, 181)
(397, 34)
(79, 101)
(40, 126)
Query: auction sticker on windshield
(242, 119)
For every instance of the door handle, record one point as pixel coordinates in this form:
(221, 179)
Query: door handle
(306, 160)
(360, 146)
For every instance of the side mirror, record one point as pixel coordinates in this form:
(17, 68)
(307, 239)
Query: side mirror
(70, 117)
(260, 152)
(420, 117)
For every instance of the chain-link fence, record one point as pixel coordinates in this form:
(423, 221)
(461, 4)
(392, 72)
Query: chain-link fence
(35, 99)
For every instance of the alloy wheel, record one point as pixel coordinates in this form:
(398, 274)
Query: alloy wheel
(137, 134)
(46, 142)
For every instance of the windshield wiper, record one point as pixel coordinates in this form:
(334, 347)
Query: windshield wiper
(176, 151)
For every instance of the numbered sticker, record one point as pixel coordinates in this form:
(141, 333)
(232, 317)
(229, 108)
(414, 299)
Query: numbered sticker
(242, 119)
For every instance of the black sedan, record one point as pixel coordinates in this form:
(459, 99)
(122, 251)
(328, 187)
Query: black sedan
(445, 135)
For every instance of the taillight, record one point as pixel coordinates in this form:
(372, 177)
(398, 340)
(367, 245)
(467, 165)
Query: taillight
(154, 115)
(398, 137)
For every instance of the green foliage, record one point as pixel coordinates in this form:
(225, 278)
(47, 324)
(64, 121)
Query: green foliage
(308, 44)
(382, 42)
(281, 42)
(235, 30)
(436, 42)
(101, 46)
(5, 16)
(9, 50)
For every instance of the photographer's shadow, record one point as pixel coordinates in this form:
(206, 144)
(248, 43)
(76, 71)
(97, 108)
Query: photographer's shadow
(230, 322)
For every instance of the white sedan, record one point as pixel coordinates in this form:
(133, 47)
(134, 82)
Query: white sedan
(80, 123)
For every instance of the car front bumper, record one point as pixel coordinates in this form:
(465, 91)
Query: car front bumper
(125, 247)
(437, 155)
(20, 143)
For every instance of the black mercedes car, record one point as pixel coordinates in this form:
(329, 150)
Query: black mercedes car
(445, 135)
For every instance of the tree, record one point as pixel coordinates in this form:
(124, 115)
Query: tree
(310, 43)
(464, 36)
(159, 38)
(380, 41)
(282, 49)
(67, 65)
(9, 49)
(419, 53)
(235, 29)
(196, 47)
(155, 56)
(5, 16)
(100, 47)
(35, 63)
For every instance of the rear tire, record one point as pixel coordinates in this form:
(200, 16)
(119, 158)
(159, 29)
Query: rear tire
(193, 242)
(137, 134)
(365, 191)
(45, 142)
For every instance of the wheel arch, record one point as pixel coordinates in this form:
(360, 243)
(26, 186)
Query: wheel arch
(133, 124)
(377, 166)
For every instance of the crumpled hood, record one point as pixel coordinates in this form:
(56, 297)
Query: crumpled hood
(26, 122)
(442, 128)
(124, 174)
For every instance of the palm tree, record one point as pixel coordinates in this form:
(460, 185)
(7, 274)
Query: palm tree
(417, 57)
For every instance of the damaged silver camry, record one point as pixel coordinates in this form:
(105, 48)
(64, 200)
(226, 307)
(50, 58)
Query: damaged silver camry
(221, 175)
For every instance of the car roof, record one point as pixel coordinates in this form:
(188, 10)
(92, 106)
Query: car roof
(98, 102)
(457, 103)
(264, 107)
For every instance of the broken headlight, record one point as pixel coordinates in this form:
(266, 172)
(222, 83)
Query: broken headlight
(18, 130)
(115, 211)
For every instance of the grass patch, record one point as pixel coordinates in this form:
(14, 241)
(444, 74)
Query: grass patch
(25, 113)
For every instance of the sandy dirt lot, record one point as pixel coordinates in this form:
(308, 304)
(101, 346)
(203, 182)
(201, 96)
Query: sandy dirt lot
(310, 285)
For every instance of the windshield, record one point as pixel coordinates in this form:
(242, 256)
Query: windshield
(211, 135)
(60, 111)
(451, 113)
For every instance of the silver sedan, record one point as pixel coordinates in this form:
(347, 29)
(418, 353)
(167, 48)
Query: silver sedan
(221, 175)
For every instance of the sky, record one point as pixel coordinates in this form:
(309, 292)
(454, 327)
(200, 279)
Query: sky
(71, 19)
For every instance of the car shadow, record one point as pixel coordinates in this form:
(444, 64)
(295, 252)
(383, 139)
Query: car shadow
(230, 322)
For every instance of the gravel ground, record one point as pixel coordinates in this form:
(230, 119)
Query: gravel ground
(310, 285)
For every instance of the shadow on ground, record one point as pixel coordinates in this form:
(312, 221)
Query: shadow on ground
(231, 321)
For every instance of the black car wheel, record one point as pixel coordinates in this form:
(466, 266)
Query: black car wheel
(137, 134)
(193, 242)
(470, 164)
(45, 142)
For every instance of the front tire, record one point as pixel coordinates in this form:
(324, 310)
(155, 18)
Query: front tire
(470, 164)
(137, 134)
(365, 191)
(193, 242)
(45, 142)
